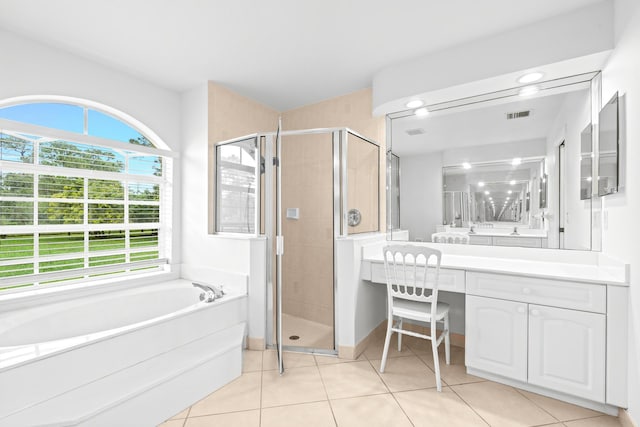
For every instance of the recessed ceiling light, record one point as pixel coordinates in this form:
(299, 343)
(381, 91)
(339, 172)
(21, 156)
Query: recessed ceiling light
(509, 192)
(487, 192)
(512, 182)
(481, 184)
(530, 77)
(516, 161)
(421, 112)
(466, 165)
(529, 90)
(507, 199)
(415, 103)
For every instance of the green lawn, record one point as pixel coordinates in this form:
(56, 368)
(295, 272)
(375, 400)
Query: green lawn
(22, 246)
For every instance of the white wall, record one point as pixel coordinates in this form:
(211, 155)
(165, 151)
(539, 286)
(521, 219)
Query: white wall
(621, 235)
(421, 195)
(576, 34)
(199, 247)
(32, 69)
(574, 115)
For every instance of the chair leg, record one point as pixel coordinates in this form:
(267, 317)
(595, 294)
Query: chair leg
(447, 340)
(400, 336)
(387, 342)
(436, 362)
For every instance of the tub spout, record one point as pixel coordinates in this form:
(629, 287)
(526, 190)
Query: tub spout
(211, 292)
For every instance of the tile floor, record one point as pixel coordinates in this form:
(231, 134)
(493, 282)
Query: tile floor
(318, 391)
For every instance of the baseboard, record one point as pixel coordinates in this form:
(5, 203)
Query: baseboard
(625, 418)
(352, 353)
(585, 403)
(255, 343)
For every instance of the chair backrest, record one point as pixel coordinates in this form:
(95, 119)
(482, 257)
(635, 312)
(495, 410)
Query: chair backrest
(409, 273)
(449, 237)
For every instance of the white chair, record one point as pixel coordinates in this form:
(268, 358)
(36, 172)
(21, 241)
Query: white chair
(450, 237)
(409, 278)
(484, 225)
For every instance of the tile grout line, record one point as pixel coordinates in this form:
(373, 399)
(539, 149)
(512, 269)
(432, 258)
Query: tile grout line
(261, 386)
(324, 386)
(391, 393)
(560, 421)
(469, 405)
(537, 405)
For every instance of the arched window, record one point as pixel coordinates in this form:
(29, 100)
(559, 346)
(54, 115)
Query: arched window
(82, 195)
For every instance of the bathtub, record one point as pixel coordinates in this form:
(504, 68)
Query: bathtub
(118, 353)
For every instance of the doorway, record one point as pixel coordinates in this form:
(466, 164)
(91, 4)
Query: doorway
(562, 209)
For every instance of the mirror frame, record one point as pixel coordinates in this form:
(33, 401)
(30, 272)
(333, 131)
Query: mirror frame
(614, 189)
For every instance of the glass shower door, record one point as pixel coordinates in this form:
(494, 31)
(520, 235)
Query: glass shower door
(305, 243)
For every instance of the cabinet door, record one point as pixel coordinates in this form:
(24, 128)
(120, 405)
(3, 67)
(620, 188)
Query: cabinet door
(496, 336)
(567, 351)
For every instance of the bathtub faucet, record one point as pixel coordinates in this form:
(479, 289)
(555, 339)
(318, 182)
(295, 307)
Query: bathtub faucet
(211, 293)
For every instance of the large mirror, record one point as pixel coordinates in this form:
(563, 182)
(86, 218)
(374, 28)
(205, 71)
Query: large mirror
(499, 169)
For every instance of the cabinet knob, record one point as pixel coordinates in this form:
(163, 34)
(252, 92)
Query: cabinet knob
(535, 312)
(520, 309)
(526, 291)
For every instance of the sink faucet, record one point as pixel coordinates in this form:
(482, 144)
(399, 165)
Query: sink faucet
(515, 231)
(211, 293)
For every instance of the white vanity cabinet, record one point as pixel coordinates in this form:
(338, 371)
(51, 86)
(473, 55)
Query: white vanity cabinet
(559, 345)
(496, 336)
(567, 351)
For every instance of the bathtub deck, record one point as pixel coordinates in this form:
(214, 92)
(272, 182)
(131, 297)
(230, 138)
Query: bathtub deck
(107, 399)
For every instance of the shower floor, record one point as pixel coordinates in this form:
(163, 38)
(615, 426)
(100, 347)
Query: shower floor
(311, 334)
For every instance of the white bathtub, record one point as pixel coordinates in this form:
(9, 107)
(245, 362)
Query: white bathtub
(95, 316)
(120, 348)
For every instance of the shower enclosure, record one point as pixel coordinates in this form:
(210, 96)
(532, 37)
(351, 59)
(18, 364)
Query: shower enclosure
(313, 187)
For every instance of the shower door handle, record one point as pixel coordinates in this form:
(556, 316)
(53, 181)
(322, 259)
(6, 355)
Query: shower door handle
(279, 245)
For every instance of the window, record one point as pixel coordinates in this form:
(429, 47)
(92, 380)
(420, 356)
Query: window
(236, 170)
(78, 199)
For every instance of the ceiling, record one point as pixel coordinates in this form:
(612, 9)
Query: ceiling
(476, 127)
(283, 53)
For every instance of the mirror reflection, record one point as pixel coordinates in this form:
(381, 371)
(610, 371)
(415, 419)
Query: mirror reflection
(586, 162)
(507, 171)
(608, 151)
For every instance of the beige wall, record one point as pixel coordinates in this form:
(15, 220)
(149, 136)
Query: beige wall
(307, 268)
(353, 111)
(231, 115)
(363, 165)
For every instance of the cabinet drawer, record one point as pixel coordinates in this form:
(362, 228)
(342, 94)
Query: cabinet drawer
(450, 280)
(525, 242)
(480, 240)
(556, 293)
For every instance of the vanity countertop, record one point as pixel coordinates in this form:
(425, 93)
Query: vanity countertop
(507, 234)
(578, 272)
(493, 232)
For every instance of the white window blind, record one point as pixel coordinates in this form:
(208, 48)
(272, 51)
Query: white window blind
(236, 182)
(72, 208)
